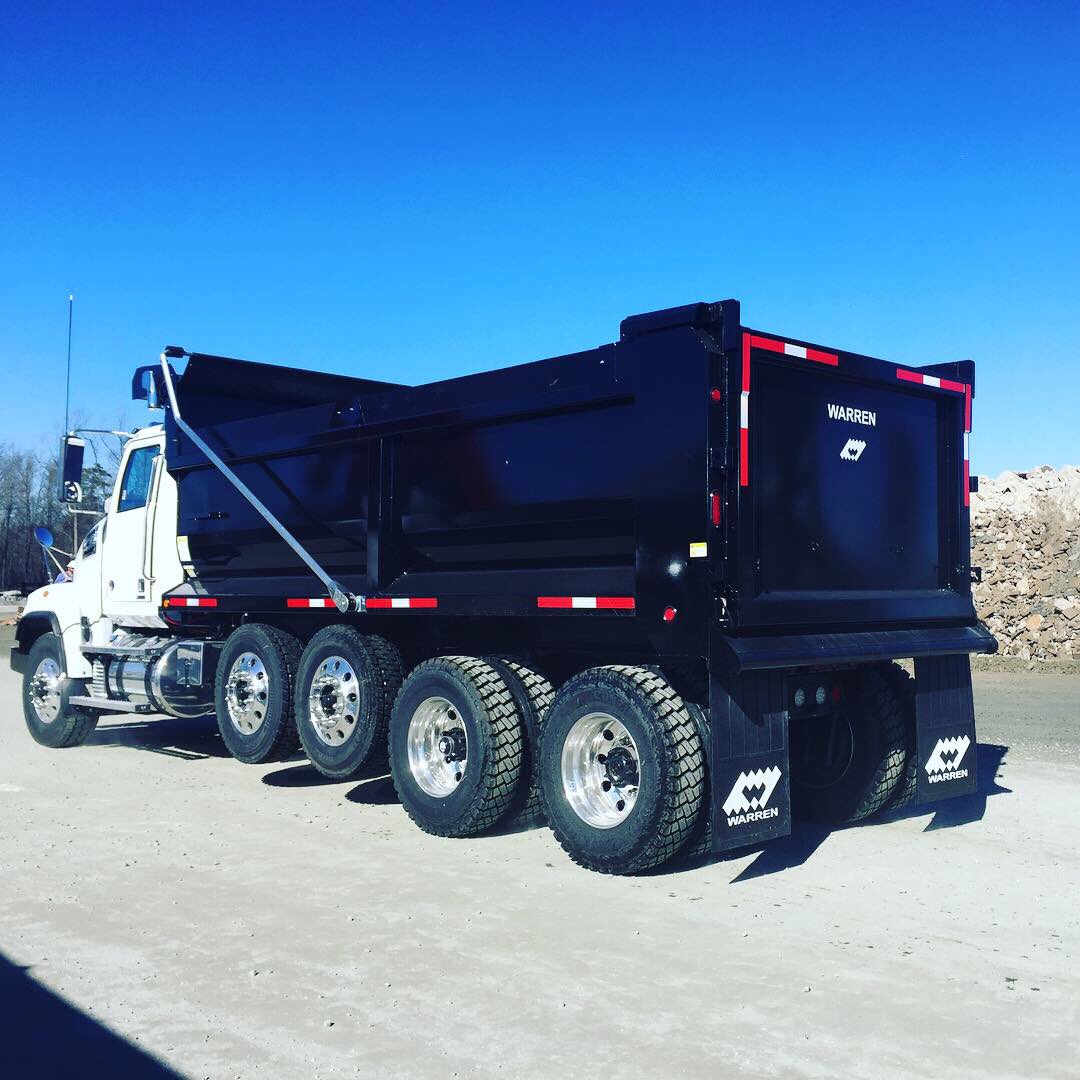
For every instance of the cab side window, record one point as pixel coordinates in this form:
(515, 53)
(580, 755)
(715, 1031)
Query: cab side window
(90, 544)
(136, 486)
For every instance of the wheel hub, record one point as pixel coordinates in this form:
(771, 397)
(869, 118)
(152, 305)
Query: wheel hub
(334, 701)
(438, 747)
(45, 690)
(601, 770)
(247, 693)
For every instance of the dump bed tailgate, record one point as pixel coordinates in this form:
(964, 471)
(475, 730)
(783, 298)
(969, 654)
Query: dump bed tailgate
(852, 485)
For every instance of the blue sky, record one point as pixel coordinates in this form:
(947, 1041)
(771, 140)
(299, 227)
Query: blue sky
(415, 191)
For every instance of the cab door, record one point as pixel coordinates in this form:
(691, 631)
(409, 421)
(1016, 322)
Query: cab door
(126, 580)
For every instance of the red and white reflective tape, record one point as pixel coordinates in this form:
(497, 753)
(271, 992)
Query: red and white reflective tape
(803, 352)
(786, 348)
(597, 603)
(388, 603)
(967, 444)
(189, 601)
(931, 380)
(312, 602)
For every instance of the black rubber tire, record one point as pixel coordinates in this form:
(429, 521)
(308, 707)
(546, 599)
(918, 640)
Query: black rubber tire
(73, 724)
(873, 729)
(379, 674)
(496, 743)
(903, 686)
(698, 843)
(533, 694)
(276, 738)
(670, 751)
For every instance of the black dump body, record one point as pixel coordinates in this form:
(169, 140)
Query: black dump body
(737, 506)
(696, 489)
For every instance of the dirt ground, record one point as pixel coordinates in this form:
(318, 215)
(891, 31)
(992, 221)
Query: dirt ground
(165, 910)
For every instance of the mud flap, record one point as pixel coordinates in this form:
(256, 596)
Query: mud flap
(748, 760)
(945, 728)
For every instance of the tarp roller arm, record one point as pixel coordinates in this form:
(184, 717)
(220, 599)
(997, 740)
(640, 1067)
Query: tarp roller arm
(344, 601)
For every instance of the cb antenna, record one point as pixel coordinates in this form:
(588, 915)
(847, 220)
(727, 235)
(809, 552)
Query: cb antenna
(67, 386)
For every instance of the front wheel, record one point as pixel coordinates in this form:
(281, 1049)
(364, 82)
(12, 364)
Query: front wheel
(51, 720)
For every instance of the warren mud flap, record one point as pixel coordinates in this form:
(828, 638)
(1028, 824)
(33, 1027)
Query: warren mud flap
(945, 728)
(749, 770)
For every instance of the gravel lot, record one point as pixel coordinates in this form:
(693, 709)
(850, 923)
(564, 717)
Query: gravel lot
(164, 909)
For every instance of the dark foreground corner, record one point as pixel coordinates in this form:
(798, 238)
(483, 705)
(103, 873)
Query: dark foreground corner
(46, 1038)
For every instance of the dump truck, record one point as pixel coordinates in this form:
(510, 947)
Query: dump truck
(654, 592)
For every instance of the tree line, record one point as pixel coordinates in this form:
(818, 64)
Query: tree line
(29, 497)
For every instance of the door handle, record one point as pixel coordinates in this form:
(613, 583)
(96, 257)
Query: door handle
(214, 515)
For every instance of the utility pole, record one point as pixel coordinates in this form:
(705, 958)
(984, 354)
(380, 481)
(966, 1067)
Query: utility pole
(67, 388)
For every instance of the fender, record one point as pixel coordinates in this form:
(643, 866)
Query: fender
(53, 608)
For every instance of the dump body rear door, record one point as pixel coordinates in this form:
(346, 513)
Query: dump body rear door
(851, 490)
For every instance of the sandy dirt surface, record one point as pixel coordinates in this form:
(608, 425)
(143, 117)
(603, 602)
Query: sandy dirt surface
(163, 907)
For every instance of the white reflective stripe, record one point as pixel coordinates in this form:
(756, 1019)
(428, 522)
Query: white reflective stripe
(400, 602)
(744, 409)
(795, 350)
(583, 601)
(931, 380)
(967, 444)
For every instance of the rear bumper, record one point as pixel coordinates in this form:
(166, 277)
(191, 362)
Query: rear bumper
(736, 655)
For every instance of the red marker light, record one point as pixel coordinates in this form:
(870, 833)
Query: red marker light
(715, 394)
(669, 614)
(837, 693)
(714, 508)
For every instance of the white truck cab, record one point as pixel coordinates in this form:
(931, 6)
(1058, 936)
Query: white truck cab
(124, 565)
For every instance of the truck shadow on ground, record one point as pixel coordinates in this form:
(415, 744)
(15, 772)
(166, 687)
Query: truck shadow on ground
(373, 787)
(44, 1036)
(190, 740)
(805, 839)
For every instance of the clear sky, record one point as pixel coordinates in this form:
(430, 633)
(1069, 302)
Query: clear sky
(415, 191)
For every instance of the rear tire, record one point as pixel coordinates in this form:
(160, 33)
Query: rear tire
(456, 746)
(345, 688)
(699, 843)
(622, 770)
(846, 767)
(533, 695)
(254, 693)
(903, 687)
(46, 691)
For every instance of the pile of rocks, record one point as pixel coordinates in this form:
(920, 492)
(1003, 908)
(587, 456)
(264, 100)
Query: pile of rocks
(1025, 534)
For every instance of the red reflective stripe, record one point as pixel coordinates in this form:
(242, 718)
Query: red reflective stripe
(587, 603)
(908, 376)
(309, 602)
(918, 377)
(948, 384)
(188, 601)
(967, 482)
(744, 464)
(766, 343)
(400, 603)
(823, 357)
(714, 508)
(967, 407)
(746, 363)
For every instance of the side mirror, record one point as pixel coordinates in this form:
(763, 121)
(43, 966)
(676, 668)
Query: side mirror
(144, 386)
(71, 467)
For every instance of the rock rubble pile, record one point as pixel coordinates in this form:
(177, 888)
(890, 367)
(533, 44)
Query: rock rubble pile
(1025, 534)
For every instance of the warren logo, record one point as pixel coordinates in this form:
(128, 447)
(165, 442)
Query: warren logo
(750, 795)
(944, 761)
(852, 416)
(853, 449)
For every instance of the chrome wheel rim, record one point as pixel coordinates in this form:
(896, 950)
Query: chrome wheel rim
(438, 747)
(247, 693)
(45, 690)
(334, 701)
(601, 770)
